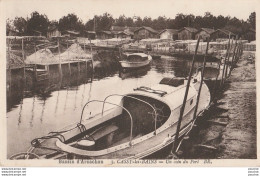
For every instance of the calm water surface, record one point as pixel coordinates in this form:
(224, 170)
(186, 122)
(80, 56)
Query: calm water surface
(52, 106)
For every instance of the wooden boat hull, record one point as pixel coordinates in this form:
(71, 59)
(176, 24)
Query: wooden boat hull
(140, 146)
(134, 65)
(154, 57)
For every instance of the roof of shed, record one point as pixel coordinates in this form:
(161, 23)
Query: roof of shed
(190, 29)
(52, 28)
(207, 30)
(172, 31)
(90, 32)
(73, 32)
(227, 32)
(118, 28)
(147, 28)
(106, 32)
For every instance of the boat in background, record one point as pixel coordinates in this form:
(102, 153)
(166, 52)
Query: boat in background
(135, 60)
(154, 56)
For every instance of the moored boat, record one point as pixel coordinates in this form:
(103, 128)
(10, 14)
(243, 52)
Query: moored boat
(142, 123)
(154, 56)
(135, 60)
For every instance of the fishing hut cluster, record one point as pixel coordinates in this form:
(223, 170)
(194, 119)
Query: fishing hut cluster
(118, 133)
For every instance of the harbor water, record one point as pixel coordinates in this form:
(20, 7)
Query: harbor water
(52, 105)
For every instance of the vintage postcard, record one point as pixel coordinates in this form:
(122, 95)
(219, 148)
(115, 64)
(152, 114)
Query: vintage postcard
(129, 83)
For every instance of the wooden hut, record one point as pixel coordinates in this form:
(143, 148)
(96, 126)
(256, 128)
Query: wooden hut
(104, 35)
(53, 31)
(144, 33)
(117, 28)
(187, 33)
(204, 33)
(71, 33)
(123, 34)
(12, 32)
(249, 35)
(91, 35)
(36, 33)
(169, 34)
(222, 33)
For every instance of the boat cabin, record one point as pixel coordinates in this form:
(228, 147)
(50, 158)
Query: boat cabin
(136, 57)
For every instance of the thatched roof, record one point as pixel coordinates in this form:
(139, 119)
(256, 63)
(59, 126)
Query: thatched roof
(13, 61)
(42, 56)
(74, 52)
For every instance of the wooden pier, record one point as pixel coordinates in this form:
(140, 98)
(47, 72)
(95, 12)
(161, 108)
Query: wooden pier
(44, 71)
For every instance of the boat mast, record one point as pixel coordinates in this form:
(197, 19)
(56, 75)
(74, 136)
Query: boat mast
(176, 141)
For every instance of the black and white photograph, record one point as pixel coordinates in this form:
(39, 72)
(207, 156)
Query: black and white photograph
(129, 82)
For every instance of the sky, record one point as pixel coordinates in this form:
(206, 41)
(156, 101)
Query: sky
(86, 9)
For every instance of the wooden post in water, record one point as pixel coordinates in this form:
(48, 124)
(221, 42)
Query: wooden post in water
(238, 52)
(24, 78)
(47, 68)
(176, 141)
(241, 52)
(234, 51)
(78, 64)
(86, 64)
(9, 71)
(60, 69)
(201, 82)
(215, 84)
(68, 57)
(92, 60)
(69, 68)
(233, 56)
(225, 75)
(78, 67)
(225, 60)
(35, 66)
(68, 50)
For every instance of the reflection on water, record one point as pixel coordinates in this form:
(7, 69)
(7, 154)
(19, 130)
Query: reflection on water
(53, 104)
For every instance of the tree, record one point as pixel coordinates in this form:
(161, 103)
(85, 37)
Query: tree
(234, 25)
(171, 24)
(129, 21)
(221, 22)
(71, 22)
(37, 22)
(105, 22)
(160, 23)
(90, 25)
(20, 24)
(53, 23)
(180, 21)
(209, 20)
(121, 21)
(251, 19)
(198, 22)
(9, 24)
(147, 21)
(138, 21)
